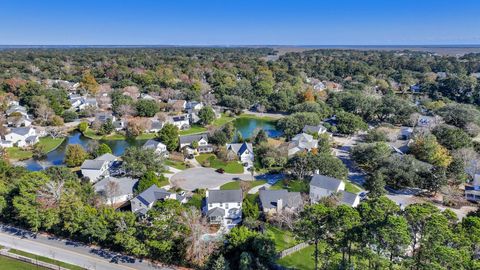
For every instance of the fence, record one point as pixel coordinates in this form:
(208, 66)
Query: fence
(293, 249)
(31, 261)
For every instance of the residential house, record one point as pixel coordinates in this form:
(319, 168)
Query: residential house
(102, 117)
(472, 191)
(201, 139)
(314, 130)
(177, 105)
(406, 133)
(21, 137)
(120, 124)
(145, 200)
(19, 121)
(88, 102)
(194, 118)
(115, 190)
(146, 96)
(322, 186)
(415, 88)
(16, 110)
(180, 121)
(224, 207)
(276, 201)
(157, 146)
(96, 169)
(155, 126)
(244, 151)
(301, 142)
(193, 106)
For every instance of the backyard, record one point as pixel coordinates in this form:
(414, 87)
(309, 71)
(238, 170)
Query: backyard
(301, 260)
(236, 184)
(210, 160)
(44, 259)
(12, 264)
(47, 144)
(283, 239)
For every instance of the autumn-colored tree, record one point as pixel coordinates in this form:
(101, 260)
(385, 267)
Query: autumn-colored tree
(426, 148)
(89, 83)
(308, 96)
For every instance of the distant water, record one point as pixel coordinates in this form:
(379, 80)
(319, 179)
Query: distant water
(249, 126)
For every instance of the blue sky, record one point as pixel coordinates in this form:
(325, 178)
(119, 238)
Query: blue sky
(247, 22)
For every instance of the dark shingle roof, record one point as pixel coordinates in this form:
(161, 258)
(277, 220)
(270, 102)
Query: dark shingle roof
(325, 182)
(348, 198)
(92, 164)
(216, 212)
(269, 198)
(191, 138)
(152, 194)
(222, 196)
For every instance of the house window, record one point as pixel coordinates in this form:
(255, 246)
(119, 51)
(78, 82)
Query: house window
(210, 205)
(226, 206)
(238, 204)
(221, 204)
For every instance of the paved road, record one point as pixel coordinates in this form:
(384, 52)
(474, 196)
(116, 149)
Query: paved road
(194, 178)
(70, 252)
(343, 153)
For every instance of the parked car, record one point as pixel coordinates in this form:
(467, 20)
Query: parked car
(220, 170)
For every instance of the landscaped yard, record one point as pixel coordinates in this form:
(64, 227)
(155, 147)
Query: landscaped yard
(192, 130)
(176, 164)
(146, 136)
(302, 259)
(236, 184)
(12, 264)
(229, 167)
(45, 259)
(49, 144)
(18, 153)
(222, 120)
(283, 239)
(252, 116)
(291, 185)
(351, 187)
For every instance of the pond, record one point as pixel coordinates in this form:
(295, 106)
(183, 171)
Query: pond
(57, 156)
(249, 126)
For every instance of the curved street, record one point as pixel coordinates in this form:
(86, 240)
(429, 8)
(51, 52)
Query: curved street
(200, 178)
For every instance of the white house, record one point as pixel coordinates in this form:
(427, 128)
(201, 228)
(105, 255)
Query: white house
(19, 121)
(157, 146)
(115, 190)
(193, 106)
(322, 186)
(22, 137)
(201, 139)
(155, 126)
(120, 124)
(301, 142)
(472, 191)
(102, 117)
(96, 169)
(244, 151)
(224, 207)
(145, 200)
(180, 121)
(16, 109)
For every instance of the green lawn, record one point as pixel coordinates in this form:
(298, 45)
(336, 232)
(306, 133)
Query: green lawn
(18, 153)
(45, 259)
(49, 144)
(176, 164)
(301, 260)
(351, 187)
(252, 116)
(291, 185)
(192, 130)
(236, 184)
(234, 167)
(12, 264)
(91, 134)
(283, 239)
(114, 136)
(146, 136)
(222, 120)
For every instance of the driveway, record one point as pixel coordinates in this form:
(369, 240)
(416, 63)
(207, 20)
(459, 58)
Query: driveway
(343, 153)
(195, 178)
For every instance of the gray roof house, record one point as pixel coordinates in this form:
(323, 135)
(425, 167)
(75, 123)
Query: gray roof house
(157, 146)
(224, 207)
(301, 142)
(318, 129)
(322, 186)
(95, 169)
(244, 151)
(201, 139)
(145, 200)
(278, 200)
(115, 190)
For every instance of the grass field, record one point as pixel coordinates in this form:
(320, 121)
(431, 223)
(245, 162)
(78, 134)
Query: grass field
(236, 184)
(45, 259)
(90, 133)
(192, 130)
(252, 116)
(49, 144)
(283, 239)
(301, 260)
(351, 187)
(230, 167)
(18, 153)
(12, 264)
(175, 164)
(291, 185)
(222, 120)
(146, 136)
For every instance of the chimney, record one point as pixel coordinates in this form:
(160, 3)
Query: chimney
(279, 205)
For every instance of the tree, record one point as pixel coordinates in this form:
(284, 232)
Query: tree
(103, 149)
(294, 123)
(83, 126)
(427, 148)
(371, 156)
(349, 123)
(146, 108)
(303, 165)
(138, 161)
(452, 137)
(250, 209)
(107, 127)
(89, 83)
(169, 136)
(75, 155)
(395, 237)
(206, 115)
(69, 116)
(375, 184)
(261, 137)
(147, 180)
